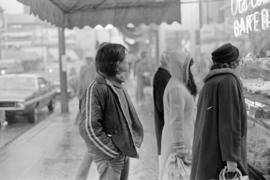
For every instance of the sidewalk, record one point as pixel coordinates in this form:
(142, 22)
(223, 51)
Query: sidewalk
(53, 149)
(146, 168)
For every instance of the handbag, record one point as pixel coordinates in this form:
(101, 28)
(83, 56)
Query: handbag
(175, 169)
(238, 175)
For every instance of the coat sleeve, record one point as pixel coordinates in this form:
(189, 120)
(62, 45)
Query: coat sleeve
(176, 102)
(158, 115)
(95, 101)
(229, 120)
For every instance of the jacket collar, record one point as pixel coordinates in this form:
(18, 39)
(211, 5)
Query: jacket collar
(138, 130)
(102, 79)
(136, 133)
(217, 72)
(114, 83)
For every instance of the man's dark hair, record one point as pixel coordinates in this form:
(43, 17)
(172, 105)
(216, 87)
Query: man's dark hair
(107, 58)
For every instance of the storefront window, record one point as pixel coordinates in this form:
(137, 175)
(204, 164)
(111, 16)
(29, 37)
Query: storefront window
(254, 44)
(256, 82)
(178, 40)
(247, 26)
(258, 146)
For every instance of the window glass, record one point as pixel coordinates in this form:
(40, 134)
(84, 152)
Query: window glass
(42, 83)
(254, 46)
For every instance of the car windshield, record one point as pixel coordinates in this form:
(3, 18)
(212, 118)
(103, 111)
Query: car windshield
(17, 83)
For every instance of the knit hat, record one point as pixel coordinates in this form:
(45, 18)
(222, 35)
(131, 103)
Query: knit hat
(225, 54)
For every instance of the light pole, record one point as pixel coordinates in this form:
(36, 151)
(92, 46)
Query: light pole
(63, 70)
(2, 27)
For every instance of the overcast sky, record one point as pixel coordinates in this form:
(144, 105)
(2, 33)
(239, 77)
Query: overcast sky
(11, 6)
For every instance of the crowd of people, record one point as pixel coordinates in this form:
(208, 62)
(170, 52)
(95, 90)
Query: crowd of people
(200, 135)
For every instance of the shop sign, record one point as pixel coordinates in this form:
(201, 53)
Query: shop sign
(250, 16)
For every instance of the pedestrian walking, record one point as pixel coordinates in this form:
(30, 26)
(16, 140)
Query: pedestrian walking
(160, 80)
(179, 115)
(221, 123)
(110, 125)
(87, 75)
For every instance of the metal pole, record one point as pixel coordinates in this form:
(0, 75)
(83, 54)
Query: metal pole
(2, 28)
(1, 44)
(200, 15)
(200, 26)
(62, 72)
(157, 44)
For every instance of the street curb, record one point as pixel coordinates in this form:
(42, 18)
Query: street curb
(36, 129)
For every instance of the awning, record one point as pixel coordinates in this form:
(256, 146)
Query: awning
(80, 13)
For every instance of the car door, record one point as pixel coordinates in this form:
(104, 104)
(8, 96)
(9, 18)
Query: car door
(51, 90)
(43, 86)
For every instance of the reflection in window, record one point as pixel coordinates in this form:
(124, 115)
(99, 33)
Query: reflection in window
(255, 74)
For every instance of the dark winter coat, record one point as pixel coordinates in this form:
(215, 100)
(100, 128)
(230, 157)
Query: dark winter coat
(221, 126)
(104, 125)
(161, 79)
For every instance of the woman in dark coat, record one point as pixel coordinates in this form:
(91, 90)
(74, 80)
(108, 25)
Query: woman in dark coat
(221, 123)
(160, 81)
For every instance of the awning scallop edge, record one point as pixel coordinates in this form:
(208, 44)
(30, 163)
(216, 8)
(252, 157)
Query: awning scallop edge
(116, 14)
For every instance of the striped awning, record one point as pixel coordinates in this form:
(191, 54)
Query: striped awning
(80, 13)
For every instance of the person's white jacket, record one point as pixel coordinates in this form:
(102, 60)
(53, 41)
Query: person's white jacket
(179, 112)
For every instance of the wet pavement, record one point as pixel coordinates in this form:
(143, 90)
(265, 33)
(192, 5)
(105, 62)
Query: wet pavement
(53, 149)
(19, 125)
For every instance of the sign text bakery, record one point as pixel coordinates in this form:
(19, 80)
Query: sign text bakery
(250, 16)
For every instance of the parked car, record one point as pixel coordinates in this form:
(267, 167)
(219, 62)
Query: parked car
(25, 94)
(52, 74)
(70, 90)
